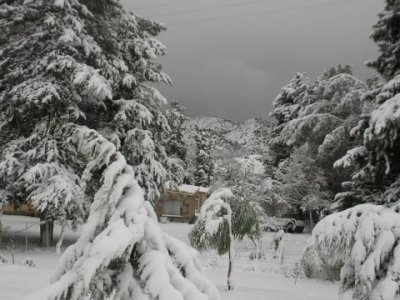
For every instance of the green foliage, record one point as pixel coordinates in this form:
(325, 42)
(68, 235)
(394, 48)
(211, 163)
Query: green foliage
(244, 219)
(219, 213)
(201, 240)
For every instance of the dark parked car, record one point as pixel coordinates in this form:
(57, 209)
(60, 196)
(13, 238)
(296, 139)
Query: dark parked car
(294, 226)
(273, 224)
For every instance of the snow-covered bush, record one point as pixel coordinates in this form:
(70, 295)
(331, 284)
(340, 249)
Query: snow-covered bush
(3, 260)
(314, 266)
(224, 217)
(29, 262)
(363, 242)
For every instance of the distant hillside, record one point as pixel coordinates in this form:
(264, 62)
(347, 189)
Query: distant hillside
(230, 138)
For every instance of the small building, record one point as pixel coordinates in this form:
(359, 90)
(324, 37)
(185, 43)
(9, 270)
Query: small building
(181, 204)
(24, 209)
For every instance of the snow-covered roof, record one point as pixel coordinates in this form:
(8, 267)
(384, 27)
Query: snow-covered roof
(192, 189)
(188, 188)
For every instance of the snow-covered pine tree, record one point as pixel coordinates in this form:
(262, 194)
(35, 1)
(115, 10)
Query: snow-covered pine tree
(288, 103)
(246, 177)
(121, 253)
(363, 243)
(328, 109)
(286, 108)
(67, 64)
(204, 165)
(374, 160)
(176, 117)
(303, 184)
(308, 111)
(175, 145)
(86, 62)
(223, 218)
(387, 36)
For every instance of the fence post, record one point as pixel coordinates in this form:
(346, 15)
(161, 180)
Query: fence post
(13, 251)
(26, 236)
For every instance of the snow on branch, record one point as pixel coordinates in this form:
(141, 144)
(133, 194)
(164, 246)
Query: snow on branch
(350, 158)
(121, 252)
(315, 126)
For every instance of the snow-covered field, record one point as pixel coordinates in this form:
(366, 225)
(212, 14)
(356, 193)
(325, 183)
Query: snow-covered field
(265, 279)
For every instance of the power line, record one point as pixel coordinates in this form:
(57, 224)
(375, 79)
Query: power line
(265, 12)
(164, 4)
(211, 8)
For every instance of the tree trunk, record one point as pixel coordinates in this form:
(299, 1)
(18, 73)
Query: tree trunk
(51, 232)
(46, 232)
(60, 241)
(42, 232)
(311, 220)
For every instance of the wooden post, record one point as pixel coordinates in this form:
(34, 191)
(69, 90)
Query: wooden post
(42, 231)
(230, 287)
(1, 233)
(281, 252)
(13, 251)
(26, 236)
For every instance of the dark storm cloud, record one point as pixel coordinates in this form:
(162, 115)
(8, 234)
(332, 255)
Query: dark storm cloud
(235, 67)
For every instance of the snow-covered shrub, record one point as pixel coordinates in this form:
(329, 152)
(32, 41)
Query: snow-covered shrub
(313, 266)
(3, 260)
(29, 262)
(277, 238)
(255, 255)
(363, 242)
(224, 217)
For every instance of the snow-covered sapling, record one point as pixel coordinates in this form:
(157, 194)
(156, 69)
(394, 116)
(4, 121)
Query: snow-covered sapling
(121, 252)
(224, 217)
(364, 243)
(278, 237)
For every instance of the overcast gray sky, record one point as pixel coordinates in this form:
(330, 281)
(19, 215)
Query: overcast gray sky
(230, 58)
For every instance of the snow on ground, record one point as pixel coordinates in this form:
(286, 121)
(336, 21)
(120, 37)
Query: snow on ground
(263, 279)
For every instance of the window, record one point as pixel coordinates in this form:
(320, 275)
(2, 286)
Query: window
(172, 208)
